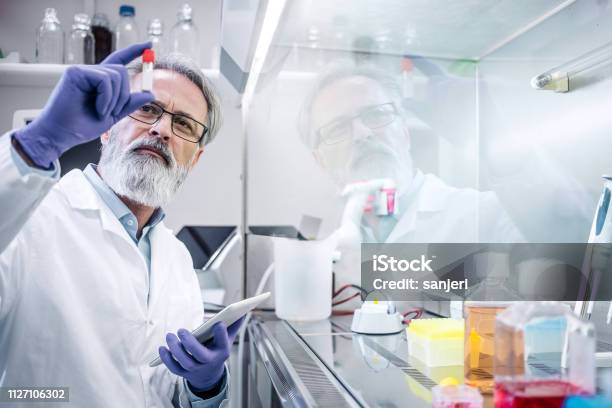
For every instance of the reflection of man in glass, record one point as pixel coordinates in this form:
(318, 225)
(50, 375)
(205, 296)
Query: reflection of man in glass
(354, 123)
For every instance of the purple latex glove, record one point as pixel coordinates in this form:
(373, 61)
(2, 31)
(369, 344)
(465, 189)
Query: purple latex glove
(201, 365)
(87, 101)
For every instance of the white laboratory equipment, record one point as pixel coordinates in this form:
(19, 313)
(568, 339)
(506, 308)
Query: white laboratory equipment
(377, 317)
(303, 278)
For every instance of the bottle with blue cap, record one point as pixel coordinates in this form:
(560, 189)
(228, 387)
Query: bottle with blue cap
(126, 32)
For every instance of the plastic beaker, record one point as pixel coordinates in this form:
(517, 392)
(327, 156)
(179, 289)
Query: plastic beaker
(303, 278)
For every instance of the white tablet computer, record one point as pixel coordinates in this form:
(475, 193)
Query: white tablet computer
(228, 315)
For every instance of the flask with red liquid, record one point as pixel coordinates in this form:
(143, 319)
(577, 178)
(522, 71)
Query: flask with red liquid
(543, 355)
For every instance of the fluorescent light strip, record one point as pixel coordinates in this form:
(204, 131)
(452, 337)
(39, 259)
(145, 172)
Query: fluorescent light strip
(274, 11)
(591, 60)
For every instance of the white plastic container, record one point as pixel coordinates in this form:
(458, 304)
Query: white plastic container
(303, 278)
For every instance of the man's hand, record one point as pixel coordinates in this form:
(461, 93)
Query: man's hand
(87, 101)
(202, 366)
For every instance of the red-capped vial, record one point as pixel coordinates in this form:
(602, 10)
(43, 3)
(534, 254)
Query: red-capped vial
(148, 60)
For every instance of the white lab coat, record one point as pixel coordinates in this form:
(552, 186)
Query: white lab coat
(73, 296)
(440, 213)
(436, 213)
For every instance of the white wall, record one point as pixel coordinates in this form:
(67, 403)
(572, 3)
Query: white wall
(212, 195)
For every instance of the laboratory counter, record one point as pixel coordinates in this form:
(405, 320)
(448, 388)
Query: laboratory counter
(324, 364)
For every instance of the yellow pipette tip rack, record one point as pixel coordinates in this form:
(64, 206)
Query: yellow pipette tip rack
(436, 342)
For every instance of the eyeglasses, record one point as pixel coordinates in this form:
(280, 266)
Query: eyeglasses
(183, 126)
(339, 130)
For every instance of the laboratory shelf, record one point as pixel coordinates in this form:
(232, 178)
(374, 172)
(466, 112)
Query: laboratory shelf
(24, 74)
(46, 75)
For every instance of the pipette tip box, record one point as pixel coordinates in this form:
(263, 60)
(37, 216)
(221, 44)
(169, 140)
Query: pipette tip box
(436, 342)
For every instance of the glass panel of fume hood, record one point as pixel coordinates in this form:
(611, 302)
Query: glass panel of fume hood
(467, 29)
(544, 153)
(411, 120)
(506, 163)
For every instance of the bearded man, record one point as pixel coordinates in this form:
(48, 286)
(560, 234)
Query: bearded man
(92, 283)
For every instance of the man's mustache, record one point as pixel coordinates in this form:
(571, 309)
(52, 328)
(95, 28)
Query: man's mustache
(365, 152)
(156, 146)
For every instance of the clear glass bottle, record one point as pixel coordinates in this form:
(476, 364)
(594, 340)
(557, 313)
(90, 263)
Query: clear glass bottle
(81, 43)
(484, 302)
(50, 39)
(184, 36)
(126, 32)
(100, 28)
(155, 31)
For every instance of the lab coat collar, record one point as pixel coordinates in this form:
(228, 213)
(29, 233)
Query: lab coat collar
(81, 195)
(79, 192)
(429, 195)
(434, 194)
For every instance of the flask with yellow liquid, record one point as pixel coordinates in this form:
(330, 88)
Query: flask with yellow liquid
(485, 301)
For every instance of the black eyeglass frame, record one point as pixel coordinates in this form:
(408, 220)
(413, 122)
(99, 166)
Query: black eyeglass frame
(357, 115)
(172, 115)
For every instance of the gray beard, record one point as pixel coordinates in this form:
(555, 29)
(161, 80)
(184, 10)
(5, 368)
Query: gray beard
(141, 178)
(377, 162)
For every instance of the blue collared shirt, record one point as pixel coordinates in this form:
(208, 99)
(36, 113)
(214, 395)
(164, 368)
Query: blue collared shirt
(124, 215)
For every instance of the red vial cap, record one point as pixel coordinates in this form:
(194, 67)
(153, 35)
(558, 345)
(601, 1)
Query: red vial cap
(148, 56)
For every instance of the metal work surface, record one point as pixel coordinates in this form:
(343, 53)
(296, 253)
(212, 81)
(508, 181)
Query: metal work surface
(376, 369)
(324, 364)
(298, 376)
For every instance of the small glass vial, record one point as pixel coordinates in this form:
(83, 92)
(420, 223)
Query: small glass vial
(386, 199)
(81, 43)
(148, 59)
(50, 39)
